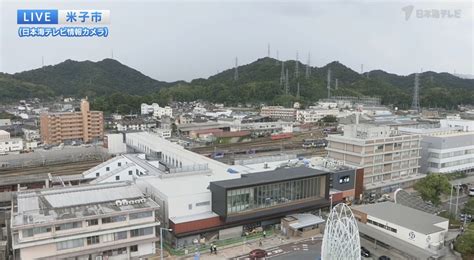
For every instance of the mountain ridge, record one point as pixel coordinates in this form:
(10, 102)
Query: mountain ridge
(258, 82)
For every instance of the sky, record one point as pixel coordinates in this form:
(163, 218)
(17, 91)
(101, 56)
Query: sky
(183, 40)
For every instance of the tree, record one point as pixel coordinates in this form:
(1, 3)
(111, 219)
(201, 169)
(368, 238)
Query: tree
(465, 243)
(469, 207)
(329, 119)
(432, 186)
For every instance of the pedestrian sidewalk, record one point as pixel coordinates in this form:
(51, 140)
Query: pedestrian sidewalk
(240, 249)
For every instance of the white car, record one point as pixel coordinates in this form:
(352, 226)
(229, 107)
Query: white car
(471, 192)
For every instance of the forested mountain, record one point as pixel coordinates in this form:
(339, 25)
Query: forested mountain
(115, 87)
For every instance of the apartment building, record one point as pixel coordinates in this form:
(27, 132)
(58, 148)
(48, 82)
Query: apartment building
(85, 126)
(279, 112)
(390, 159)
(102, 221)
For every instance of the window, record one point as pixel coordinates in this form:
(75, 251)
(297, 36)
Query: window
(141, 232)
(107, 168)
(27, 232)
(117, 178)
(130, 172)
(70, 225)
(204, 203)
(120, 235)
(93, 240)
(138, 215)
(190, 206)
(119, 164)
(97, 174)
(70, 244)
(113, 219)
(92, 222)
(134, 248)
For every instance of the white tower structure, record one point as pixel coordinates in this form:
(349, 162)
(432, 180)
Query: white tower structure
(341, 239)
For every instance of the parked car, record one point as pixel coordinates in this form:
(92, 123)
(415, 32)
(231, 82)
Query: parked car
(471, 192)
(384, 257)
(257, 254)
(364, 252)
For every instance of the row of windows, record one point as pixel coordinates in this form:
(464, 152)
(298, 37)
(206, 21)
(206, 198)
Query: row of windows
(92, 240)
(454, 163)
(451, 154)
(375, 223)
(91, 222)
(270, 195)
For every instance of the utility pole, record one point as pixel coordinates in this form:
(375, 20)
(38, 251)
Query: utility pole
(268, 50)
(287, 83)
(457, 200)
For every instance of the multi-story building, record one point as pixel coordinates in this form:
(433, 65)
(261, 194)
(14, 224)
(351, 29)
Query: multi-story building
(445, 149)
(103, 221)
(314, 115)
(390, 160)
(279, 112)
(156, 110)
(85, 126)
(8, 144)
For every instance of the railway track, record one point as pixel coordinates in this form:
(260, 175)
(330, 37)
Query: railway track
(56, 169)
(295, 142)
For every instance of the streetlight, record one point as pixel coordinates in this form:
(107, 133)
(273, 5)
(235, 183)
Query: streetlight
(161, 240)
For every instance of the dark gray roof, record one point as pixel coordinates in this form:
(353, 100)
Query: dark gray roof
(404, 216)
(282, 174)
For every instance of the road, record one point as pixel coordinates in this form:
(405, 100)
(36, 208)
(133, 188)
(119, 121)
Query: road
(308, 249)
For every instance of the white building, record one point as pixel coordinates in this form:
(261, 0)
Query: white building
(115, 143)
(112, 221)
(8, 144)
(466, 125)
(445, 149)
(411, 232)
(313, 115)
(5, 122)
(156, 110)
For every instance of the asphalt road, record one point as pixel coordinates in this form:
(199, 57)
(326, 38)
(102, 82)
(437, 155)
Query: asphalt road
(298, 250)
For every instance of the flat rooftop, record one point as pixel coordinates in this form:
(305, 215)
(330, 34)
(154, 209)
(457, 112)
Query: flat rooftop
(57, 204)
(278, 175)
(403, 216)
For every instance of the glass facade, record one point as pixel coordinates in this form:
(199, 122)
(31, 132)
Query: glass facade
(274, 194)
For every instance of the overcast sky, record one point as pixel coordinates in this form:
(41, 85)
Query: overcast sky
(176, 40)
